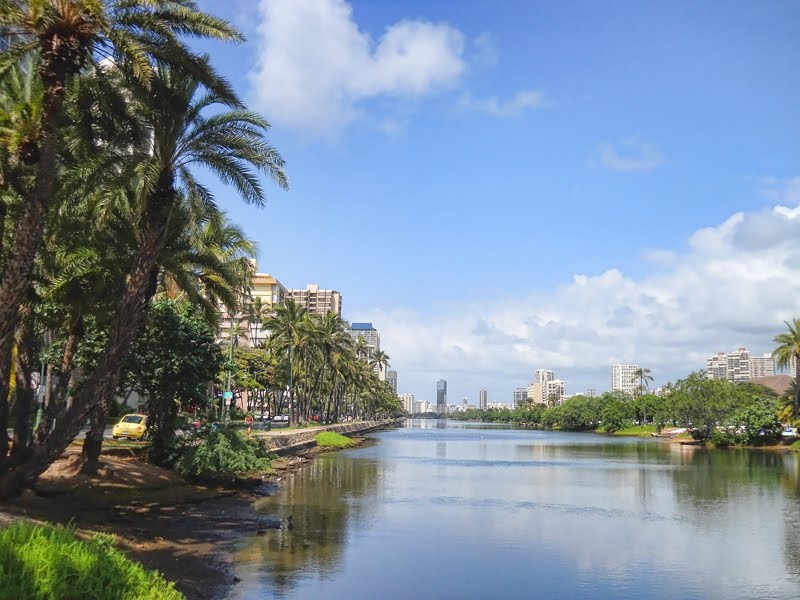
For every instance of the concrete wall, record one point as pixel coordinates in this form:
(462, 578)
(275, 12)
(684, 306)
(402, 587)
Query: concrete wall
(284, 442)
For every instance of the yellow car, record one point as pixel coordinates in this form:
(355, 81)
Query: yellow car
(133, 427)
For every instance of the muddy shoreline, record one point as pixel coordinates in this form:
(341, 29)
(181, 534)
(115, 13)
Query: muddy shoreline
(187, 532)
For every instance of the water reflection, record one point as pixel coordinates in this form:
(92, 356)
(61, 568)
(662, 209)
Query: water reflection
(566, 515)
(323, 501)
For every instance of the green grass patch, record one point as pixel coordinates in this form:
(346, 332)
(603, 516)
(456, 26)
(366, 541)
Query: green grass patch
(331, 439)
(795, 445)
(643, 430)
(42, 562)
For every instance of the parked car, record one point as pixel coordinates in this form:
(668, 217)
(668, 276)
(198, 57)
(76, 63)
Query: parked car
(281, 419)
(132, 427)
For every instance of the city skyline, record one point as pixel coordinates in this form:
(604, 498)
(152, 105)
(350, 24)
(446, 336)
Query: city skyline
(665, 240)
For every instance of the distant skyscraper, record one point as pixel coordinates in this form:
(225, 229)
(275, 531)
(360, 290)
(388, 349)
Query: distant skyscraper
(554, 392)
(762, 366)
(623, 380)
(441, 396)
(520, 396)
(391, 379)
(365, 330)
(537, 390)
(483, 401)
(317, 301)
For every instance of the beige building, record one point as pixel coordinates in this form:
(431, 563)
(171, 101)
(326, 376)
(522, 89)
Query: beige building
(317, 301)
(623, 379)
(739, 365)
(271, 293)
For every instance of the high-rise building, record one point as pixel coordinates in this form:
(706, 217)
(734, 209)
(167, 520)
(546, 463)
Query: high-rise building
(623, 379)
(267, 290)
(554, 392)
(391, 379)
(520, 397)
(441, 396)
(762, 366)
(537, 390)
(483, 401)
(408, 403)
(739, 365)
(317, 301)
(371, 337)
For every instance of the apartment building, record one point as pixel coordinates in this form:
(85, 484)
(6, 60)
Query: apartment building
(408, 403)
(739, 365)
(483, 399)
(317, 301)
(270, 292)
(623, 379)
(554, 391)
(391, 379)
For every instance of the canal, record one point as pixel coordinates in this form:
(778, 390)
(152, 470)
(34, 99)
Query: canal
(440, 509)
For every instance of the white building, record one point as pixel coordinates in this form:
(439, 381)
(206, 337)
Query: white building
(554, 391)
(520, 397)
(739, 365)
(537, 389)
(623, 379)
(408, 403)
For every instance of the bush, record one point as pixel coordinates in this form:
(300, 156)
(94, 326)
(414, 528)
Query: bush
(724, 438)
(43, 562)
(331, 439)
(222, 452)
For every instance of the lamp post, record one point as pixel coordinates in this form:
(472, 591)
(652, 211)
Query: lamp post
(227, 395)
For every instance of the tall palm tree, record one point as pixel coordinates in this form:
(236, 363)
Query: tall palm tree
(256, 312)
(230, 142)
(788, 352)
(642, 378)
(286, 325)
(380, 360)
(65, 36)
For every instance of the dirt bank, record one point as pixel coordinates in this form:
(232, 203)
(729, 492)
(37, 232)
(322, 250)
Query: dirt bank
(185, 531)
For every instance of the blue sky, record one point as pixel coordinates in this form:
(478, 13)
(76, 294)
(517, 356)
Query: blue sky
(506, 186)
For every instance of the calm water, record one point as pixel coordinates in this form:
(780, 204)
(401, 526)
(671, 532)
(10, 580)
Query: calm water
(449, 510)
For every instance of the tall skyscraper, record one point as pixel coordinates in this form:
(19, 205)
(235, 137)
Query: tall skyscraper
(391, 379)
(623, 379)
(317, 301)
(441, 396)
(371, 336)
(408, 403)
(483, 399)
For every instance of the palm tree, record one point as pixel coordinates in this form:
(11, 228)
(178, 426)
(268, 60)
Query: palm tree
(788, 352)
(65, 36)
(230, 143)
(642, 377)
(380, 360)
(285, 325)
(256, 312)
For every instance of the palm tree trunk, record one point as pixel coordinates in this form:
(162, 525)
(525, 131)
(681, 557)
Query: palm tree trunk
(796, 403)
(104, 379)
(29, 228)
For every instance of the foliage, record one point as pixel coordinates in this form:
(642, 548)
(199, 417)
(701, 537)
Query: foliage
(331, 439)
(172, 361)
(43, 562)
(786, 352)
(705, 402)
(219, 453)
(758, 424)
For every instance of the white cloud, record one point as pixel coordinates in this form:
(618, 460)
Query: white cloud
(734, 284)
(315, 67)
(632, 155)
(781, 190)
(484, 50)
(520, 102)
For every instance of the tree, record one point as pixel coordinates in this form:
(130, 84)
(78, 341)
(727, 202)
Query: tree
(704, 403)
(63, 37)
(173, 358)
(285, 325)
(643, 377)
(788, 351)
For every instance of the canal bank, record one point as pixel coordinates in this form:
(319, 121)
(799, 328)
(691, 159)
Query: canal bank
(185, 531)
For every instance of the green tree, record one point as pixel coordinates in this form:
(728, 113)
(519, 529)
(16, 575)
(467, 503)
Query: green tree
(642, 378)
(173, 358)
(788, 351)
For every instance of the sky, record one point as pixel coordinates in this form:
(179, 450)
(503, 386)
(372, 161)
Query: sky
(501, 187)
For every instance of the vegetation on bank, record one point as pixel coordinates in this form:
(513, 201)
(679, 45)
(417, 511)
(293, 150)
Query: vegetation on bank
(331, 439)
(220, 452)
(720, 411)
(40, 562)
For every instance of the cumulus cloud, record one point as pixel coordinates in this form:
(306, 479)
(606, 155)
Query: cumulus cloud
(631, 155)
(733, 284)
(315, 67)
(513, 107)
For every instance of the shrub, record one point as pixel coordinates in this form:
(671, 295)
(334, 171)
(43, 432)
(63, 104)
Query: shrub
(43, 562)
(724, 438)
(331, 439)
(225, 451)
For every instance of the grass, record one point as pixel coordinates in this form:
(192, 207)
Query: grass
(331, 439)
(43, 562)
(637, 430)
(795, 445)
